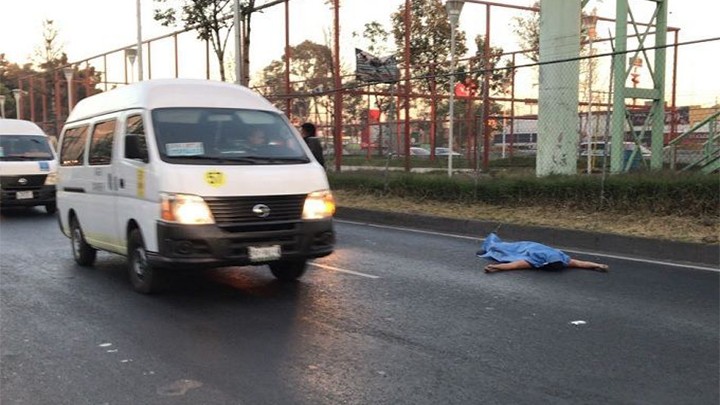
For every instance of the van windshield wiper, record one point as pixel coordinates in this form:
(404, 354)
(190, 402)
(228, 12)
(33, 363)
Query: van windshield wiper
(288, 159)
(22, 158)
(268, 159)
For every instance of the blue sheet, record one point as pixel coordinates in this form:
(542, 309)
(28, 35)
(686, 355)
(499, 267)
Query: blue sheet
(537, 254)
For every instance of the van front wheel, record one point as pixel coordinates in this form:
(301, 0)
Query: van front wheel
(83, 253)
(288, 270)
(145, 278)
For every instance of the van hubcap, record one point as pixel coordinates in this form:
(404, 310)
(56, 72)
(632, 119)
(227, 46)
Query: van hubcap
(140, 264)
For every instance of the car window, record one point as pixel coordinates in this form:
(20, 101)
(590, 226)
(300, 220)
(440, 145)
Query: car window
(23, 147)
(101, 143)
(72, 148)
(225, 136)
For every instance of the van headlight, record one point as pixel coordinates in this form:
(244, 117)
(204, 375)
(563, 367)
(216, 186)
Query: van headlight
(319, 205)
(185, 209)
(51, 179)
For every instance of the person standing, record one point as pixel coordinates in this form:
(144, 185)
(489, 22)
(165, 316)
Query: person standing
(309, 134)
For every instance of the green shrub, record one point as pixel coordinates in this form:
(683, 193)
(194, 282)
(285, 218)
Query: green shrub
(663, 193)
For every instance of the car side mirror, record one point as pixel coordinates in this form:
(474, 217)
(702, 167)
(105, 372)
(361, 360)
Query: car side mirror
(133, 150)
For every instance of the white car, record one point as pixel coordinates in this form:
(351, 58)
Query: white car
(417, 151)
(445, 152)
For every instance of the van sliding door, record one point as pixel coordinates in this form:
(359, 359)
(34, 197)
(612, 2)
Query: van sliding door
(100, 227)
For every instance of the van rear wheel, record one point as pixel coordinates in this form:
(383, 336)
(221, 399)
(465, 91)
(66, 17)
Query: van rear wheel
(289, 270)
(83, 253)
(145, 278)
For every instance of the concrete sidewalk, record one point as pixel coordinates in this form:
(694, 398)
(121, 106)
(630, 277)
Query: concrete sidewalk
(652, 249)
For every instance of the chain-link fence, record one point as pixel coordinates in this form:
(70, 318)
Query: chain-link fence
(509, 110)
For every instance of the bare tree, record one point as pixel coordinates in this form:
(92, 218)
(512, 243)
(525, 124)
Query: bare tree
(212, 19)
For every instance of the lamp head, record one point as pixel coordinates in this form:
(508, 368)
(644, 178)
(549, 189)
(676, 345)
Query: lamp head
(131, 54)
(68, 72)
(454, 7)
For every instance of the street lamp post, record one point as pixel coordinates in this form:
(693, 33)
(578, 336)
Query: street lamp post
(237, 19)
(17, 93)
(68, 72)
(2, 105)
(138, 51)
(453, 7)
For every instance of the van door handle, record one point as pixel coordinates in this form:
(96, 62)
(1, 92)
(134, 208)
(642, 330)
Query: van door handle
(122, 183)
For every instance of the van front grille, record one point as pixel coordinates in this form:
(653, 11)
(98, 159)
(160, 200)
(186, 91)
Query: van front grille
(28, 182)
(234, 211)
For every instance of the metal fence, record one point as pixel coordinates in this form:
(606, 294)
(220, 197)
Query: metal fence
(496, 109)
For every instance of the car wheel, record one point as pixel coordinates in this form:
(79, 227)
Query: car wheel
(83, 253)
(145, 278)
(288, 270)
(51, 208)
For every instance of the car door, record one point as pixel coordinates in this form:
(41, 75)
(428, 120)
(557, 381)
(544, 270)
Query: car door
(135, 188)
(99, 227)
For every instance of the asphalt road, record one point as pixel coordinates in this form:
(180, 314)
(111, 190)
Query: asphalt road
(392, 317)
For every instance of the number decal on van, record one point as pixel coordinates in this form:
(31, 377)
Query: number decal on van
(141, 183)
(215, 178)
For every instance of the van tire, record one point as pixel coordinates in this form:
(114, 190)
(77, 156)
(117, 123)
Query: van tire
(289, 270)
(51, 208)
(144, 278)
(83, 253)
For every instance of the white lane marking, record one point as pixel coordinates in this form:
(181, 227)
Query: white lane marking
(637, 259)
(326, 267)
(401, 228)
(450, 235)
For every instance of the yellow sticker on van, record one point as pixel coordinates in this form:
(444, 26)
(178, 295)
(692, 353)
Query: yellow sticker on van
(140, 182)
(215, 178)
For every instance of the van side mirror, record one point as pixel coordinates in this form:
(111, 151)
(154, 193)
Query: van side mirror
(133, 149)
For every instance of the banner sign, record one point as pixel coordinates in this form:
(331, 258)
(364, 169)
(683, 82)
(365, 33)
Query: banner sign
(371, 68)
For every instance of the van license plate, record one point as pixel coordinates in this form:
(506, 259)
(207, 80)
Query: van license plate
(24, 195)
(264, 253)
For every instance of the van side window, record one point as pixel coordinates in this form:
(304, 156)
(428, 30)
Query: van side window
(135, 140)
(101, 143)
(72, 150)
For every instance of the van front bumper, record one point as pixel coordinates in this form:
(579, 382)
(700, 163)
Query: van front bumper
(207, 246)
(27, 197)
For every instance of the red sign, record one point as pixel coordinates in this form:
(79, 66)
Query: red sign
(461, 90)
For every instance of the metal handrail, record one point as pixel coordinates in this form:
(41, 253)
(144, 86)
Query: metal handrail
(694, 128)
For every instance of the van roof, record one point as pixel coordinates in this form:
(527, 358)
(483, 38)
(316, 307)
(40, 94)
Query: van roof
(9, 126)
(163, 93)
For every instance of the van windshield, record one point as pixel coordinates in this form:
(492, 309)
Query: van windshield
(225, 136)
(24, 147)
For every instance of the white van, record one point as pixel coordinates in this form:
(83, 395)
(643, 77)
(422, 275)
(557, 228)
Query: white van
(182, 173)
(28, 166)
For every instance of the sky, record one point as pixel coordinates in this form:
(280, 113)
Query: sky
(88, 28)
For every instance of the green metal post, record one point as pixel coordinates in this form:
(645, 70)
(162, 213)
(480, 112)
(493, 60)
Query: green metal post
(658, 110)
(617, 129)
(656, 116)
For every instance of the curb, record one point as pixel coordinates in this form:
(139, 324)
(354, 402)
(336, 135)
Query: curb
(651, 249)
